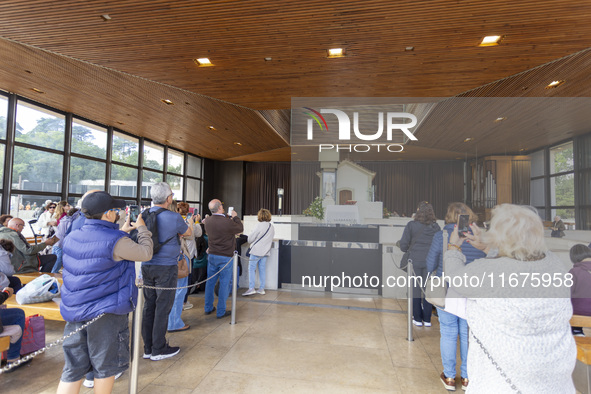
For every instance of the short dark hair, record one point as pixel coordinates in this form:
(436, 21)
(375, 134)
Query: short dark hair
(4, 217)
(95, 216)
(7, 245)
(579, 252)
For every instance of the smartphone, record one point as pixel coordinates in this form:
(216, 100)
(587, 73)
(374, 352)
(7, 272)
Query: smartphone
(134, 212)
(463, 225)
(230, 210)
(189, 215)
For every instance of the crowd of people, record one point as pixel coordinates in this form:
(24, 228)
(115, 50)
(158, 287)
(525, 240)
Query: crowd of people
(508, 338)
(511, 337)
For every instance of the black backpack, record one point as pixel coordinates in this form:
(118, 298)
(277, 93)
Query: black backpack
(152, 225)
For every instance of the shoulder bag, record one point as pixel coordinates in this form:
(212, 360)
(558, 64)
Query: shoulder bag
(435, 292)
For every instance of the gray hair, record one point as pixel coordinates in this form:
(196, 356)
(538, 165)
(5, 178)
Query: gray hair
(214, 205)
(160, 192)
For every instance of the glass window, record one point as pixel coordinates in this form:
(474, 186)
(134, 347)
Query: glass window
(89, 140)
(123, 181)
(125, 149)
(3, 116)
(2, 150)
(176, 184)
(24, 206)
(193, 190)
(562, 190)
(153, 156)
(194, 167)
(537, 193)
(37, 170)
(39, 126)
(561, 158)
(584, 182)
(176, 161)
(150, 178)
(86, 175)
(537, 163)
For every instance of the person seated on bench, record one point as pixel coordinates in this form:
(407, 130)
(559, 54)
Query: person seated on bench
(26, 258)
(6, 269)
(580, 291)
(12, 316)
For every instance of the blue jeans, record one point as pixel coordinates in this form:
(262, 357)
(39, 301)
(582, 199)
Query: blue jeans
(214, 264)
(174, 318)
(13, 316)
(450, 327)
(58, 263)
(158, 305)
(252, 265)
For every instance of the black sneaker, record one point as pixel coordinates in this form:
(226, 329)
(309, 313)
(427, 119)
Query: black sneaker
(211, 311)
(22, 364)
(227, 313)
(168, 352)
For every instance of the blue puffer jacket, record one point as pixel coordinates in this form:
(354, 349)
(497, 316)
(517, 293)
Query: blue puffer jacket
(435, 256)
(94, 283)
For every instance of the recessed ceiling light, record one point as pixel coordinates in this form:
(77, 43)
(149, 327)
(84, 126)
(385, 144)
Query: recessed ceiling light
(500, 119)
(29, 72)
(203, 62)
(167, 102)
(522, 149)
(408, 49)
(268, 59)
(106, 17)
(336, 52)
(468, 139)
(37, 90)
(237, 143)
(120, 122)
(211, 128)
(555, 84)
(490, 41)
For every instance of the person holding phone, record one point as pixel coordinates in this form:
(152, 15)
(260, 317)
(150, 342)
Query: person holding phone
(452, 325)
(417, 237)
(520, 336)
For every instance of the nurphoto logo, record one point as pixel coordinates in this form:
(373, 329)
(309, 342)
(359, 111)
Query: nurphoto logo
(394, 122)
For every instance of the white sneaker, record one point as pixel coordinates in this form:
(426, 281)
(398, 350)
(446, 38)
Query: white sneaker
(427, 324)
(417, 323)
(146, 356)
(261, 291)
(88, 383)
(249, 292)
(187, 306)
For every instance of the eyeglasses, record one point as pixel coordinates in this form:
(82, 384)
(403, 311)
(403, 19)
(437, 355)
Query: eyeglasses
(52, 207)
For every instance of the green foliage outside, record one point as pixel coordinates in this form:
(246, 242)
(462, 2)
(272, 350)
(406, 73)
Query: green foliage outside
(315, 209)
(37, 166)
(564, 186)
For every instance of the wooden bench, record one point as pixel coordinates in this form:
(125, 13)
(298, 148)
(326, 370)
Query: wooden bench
(582, 372)
(49, 310)
(29, 276)
(4, 344)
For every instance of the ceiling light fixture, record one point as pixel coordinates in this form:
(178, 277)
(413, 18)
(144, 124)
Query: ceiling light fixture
(237, 143)
(203, 62)
(106, 17)
(409, 49)
(268, 59)
(167, 102)
(555, 84)
(211, 128)
(522, 149)
(37, 90)
(490, 41)
(468, 139)
(336, 52)
(500, 119)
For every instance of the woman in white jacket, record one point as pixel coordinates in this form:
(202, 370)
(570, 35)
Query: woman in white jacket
(260, 241)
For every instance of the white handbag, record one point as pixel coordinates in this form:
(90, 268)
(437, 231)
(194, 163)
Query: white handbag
(41, 289)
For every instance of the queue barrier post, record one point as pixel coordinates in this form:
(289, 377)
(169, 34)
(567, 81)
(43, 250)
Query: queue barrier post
(234, 287)
(136, 334)
(409, 290)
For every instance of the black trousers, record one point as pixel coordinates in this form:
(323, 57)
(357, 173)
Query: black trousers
(47, 261)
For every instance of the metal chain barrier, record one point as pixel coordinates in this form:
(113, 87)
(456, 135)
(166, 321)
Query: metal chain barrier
(40, 351)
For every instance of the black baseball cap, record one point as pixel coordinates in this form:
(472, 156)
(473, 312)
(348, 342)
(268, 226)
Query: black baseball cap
(99, 202)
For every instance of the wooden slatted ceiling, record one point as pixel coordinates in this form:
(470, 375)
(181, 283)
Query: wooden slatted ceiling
(158, 39)
(145, 54)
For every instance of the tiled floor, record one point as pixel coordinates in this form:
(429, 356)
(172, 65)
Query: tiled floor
(283, 342)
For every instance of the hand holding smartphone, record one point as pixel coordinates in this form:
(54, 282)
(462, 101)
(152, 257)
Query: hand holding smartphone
(134, 212)
(463, 225)
(230, 210)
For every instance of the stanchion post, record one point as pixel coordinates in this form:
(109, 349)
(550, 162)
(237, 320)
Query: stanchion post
(409, 290)
(234, 287)
(136, 334)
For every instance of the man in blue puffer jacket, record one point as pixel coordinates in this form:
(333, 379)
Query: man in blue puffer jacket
(99, 276)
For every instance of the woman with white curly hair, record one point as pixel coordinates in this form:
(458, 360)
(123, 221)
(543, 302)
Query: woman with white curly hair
(519, 311)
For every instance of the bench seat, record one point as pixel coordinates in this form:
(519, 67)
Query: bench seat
(49, 310)
(29, 276)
